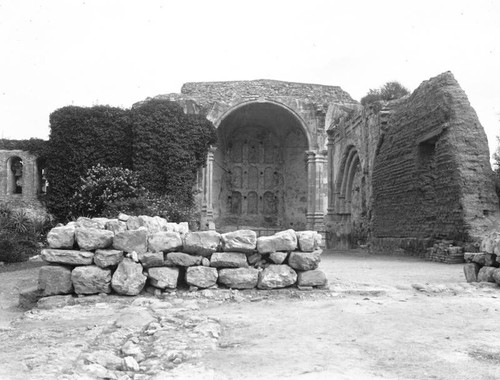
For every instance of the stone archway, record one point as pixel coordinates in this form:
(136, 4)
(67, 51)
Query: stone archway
(260, 175)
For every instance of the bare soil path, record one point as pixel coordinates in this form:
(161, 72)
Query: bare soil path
(383, 318)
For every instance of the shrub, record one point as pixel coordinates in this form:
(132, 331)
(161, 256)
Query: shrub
(101, 187)
(389, 91)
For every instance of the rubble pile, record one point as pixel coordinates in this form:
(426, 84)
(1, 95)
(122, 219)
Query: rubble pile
(130, 254)
(484, 266)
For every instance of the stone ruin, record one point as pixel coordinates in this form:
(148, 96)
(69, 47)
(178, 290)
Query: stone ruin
(406, 177)
(131, 254)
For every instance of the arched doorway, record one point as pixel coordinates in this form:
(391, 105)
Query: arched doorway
(260, 168)
(15, 178)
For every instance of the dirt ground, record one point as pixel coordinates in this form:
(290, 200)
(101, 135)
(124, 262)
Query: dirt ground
(383, 318)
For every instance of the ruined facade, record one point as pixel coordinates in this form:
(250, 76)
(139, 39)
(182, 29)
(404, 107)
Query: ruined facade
(305, 156)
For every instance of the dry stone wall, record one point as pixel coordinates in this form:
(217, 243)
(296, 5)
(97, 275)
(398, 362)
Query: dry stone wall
(484, 266)
(128, 254)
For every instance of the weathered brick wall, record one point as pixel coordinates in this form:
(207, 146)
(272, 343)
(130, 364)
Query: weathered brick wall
(431, 175)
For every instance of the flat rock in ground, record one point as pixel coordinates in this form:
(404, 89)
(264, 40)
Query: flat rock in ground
(239, 241)
(311, 278)
(307, 240)
(91, 279)
(163, 241)
(201, 276)
(151, 259)
(485, 274)
(128, 278)
(277, 276)
(304, 260)
(470, 271)
(55, 302)
(70, 257)
(202, 243)
(107, 257)
(182, 259)
(239, 278)
(278, 257)
(228, 260)
(61, 237)
(281, 241)
(90, 239)
(164, 277)
(130, 241)
(54, 279)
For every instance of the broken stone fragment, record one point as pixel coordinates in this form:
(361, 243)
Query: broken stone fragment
(239, 278)
(164, 241)
(129, 241)
(311, 278)
(61, 237)
(485, 274)
(228, 260)
(182, 259)
(163, 277)
(471, 270)
(308, 240)
(54, 279)
(151, 259)
(116, 226)
(277, 276)
(281, 241)
(91, 280)
(90, 239)
(239, 241)
(70, 257)
(84, 222)
(201, 276)
(107, 257)
(278, 257)
(304, 260)
(128, 278)
(202, 243)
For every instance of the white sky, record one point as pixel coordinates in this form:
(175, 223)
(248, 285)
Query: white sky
(57, 53)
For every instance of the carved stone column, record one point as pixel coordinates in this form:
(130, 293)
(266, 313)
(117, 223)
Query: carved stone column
(311, 191)
(320, 191)
(331, 179)
(207, 212)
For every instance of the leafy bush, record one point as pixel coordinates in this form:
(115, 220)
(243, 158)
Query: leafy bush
(102, 186)
(20, 234)
(389, 91)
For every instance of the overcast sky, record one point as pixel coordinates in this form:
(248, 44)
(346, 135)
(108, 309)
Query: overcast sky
(57, 53)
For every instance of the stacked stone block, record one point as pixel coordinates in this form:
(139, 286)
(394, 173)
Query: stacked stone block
(484, 266)
(445, 252)
(124, 255)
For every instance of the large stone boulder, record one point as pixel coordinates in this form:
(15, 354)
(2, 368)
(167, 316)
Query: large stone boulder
(470, 271)
(90, 239)
(282, 241)
(239, 278)
(202, 277)
(483, 259)
(54, 279)
(182, 228)
(485, 274)
(107, 257)
(304, 260)
(91, 279)
(496, 275)
(131, 240)
(128, 278)
(182, 259)
(116, 226)
(228, 260)
(66, 256)
(84, 222)
(164, 241)
(164, 277)
(152, 224)
(151, 259)
(202, 243)
(308, 241)
(239, 241)
(134, 223)
(277, 276)
(311, 278)
(61, 237)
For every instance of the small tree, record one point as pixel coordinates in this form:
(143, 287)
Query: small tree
(389, 91)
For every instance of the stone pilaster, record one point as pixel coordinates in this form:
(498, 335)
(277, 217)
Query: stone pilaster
(311, 191)
(207, 212)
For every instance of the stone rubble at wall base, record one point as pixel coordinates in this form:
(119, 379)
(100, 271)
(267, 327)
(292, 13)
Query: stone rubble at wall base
(484, 266)
(153, 254)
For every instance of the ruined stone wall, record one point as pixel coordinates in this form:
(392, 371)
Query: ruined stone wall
(431, 175)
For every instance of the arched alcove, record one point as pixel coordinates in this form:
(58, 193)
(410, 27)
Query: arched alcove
(15, 175)
(261, 156)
